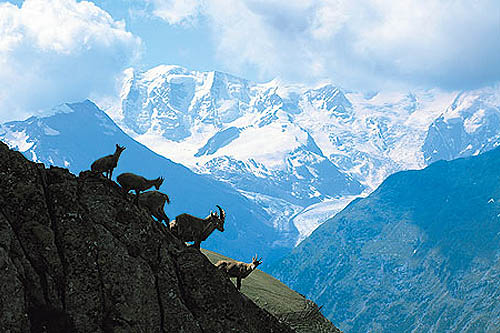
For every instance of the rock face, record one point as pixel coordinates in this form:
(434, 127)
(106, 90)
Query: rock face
(76, 257)
(420, 254)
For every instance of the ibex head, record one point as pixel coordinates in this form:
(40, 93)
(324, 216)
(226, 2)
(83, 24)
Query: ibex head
(256, 262)
(119, 149)
(219, 218)
(158, 182)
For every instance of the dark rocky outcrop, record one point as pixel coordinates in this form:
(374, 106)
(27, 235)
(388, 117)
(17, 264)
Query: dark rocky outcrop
(76, 257)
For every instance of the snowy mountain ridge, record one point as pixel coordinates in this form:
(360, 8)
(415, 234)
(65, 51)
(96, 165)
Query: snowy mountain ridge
(289, 141)
(194, 117)
(469, 126)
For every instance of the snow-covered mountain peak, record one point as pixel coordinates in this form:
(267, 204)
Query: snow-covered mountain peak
(61, 108)
(277, 140)
(469, 126)
(329, 98)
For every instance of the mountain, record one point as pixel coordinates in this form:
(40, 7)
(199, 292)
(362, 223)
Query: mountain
(234, 130)
(291, 146)
(296, 147)
(75, 256)
(420, 254)
(73, 135)
(469, 126)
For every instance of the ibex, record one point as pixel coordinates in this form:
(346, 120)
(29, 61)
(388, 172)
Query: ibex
(129, 181)
(189, 228)
(154, 201)
(107, 163)
(238, 269)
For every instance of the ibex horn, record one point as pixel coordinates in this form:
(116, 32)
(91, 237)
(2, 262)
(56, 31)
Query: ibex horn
(222, 213)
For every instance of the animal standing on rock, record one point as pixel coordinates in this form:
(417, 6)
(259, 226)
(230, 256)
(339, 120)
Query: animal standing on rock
(189, 228)
(129, 181)
(107, 163)
(154, 202)
(237, 269)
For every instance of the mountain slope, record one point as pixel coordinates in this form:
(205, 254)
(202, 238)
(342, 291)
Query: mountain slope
(74, 135)
(421, 253)
(76, 257)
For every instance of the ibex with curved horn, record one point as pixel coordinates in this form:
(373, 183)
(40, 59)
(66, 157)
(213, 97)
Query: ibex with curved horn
(238, 269)
(189, 228)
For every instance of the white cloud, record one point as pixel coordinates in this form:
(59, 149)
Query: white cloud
(447, 43)
(177, 12)
(58, 51)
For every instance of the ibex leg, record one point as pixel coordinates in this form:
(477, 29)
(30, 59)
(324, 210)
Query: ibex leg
(163, 217)
(238, 283)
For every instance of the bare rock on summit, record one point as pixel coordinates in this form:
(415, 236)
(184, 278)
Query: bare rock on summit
(76, 257)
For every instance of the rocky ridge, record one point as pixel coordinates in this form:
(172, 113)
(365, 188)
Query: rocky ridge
(76, 257)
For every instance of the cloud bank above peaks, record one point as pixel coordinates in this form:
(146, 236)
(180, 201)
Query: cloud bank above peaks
(59, 51)
(450, 44)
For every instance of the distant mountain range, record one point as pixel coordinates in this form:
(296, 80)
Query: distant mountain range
(420, 254)
(73, 135)
(299, 153)
(294, 149)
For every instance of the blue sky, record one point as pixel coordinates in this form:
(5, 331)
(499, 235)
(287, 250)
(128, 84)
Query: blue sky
(187, 45)
(54, 51)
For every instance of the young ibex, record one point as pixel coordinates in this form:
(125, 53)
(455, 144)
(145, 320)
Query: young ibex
(237, 269)
(129, 181)
(189, 228)
(107, 163)
(154, 201)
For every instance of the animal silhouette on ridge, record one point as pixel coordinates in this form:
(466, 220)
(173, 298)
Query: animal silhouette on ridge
(107, 163)
(154, 201)
(189, 228)
(130, 181)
